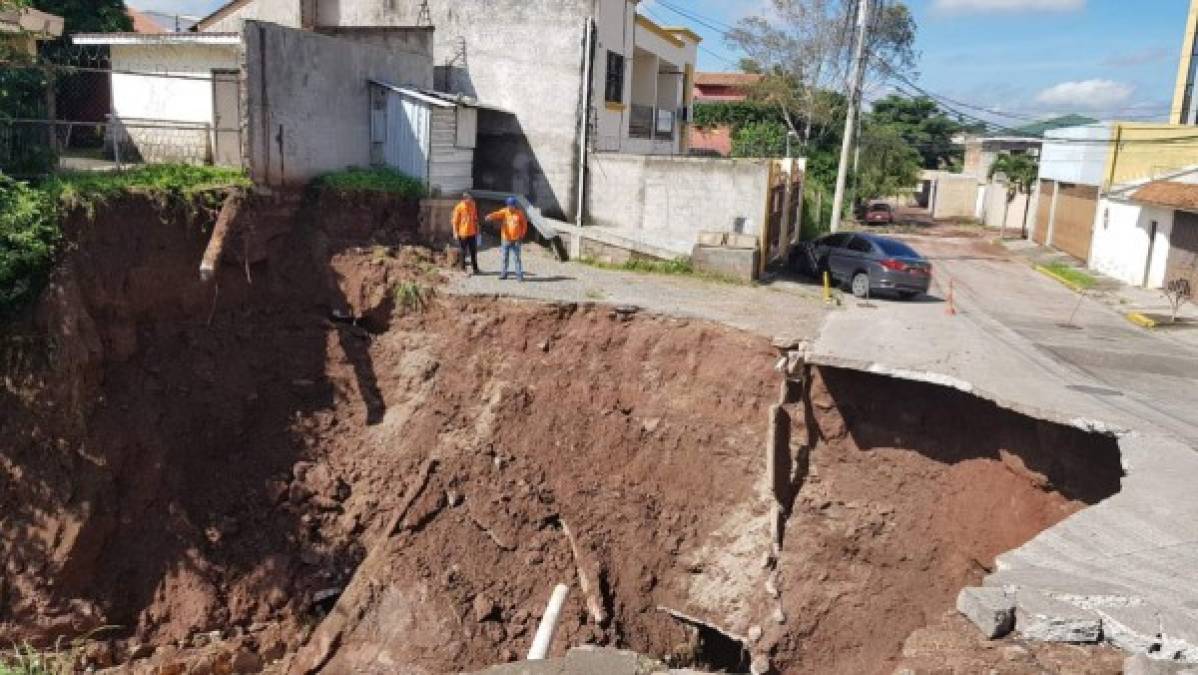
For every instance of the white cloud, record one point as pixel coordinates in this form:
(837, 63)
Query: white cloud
(1087, 94)
(1008, 5)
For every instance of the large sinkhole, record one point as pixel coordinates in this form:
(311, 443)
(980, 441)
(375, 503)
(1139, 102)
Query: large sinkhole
(258, 479)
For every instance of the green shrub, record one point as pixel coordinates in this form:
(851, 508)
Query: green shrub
(371, 180)
(760, 139)
(29, 238)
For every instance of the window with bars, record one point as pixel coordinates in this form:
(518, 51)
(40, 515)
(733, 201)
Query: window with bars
(615, 78)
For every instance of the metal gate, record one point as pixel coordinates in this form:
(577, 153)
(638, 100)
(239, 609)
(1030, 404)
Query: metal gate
(1183, 248)
(226, 118)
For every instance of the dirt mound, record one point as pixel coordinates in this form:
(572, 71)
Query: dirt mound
(911, 492)
(320, 461)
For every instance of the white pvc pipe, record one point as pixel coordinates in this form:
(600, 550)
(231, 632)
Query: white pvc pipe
(544, 636)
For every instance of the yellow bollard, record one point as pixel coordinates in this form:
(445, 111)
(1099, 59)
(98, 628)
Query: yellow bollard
(827, 288)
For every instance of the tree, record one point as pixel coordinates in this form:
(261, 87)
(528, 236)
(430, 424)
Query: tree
(1021, 172)
(804, 49)
(889, 164)
(88, 16)
(924, 126)
(1178, 293)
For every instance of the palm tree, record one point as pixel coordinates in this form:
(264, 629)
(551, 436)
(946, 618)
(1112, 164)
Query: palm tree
(1021, 172)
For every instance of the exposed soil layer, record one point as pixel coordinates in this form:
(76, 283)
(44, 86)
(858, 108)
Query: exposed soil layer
(236, 479)
(912, 490)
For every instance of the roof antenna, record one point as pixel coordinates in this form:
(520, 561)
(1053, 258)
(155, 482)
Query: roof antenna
(425, 18)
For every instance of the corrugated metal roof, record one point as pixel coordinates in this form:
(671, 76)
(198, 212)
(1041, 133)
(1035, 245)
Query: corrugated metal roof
(440, 99)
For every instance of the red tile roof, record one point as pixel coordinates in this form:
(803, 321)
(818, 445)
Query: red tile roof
(726, 79)
(142, 23)
(1170, 194)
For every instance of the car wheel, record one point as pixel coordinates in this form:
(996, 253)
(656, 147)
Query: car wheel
(907, 295)
(860, 285)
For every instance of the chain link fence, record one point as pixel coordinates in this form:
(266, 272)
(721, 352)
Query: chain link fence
(80, 107)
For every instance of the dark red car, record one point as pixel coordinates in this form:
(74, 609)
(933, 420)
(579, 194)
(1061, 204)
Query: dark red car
(879, 213)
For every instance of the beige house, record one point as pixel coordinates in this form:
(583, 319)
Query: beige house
(26, 26)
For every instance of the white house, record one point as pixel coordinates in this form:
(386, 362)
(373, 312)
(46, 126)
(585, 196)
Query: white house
(1073, 163)
(1146, 234)
(175, 96)
(643, 82)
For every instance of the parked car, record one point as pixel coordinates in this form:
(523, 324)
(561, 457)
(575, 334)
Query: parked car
(868, 264)
(879, 213)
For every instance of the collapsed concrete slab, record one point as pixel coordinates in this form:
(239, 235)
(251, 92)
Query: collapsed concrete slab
(1040, 617)
(1141, 664)
(992, 610)
(1135, 629)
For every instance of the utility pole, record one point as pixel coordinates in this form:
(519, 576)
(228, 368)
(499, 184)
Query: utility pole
(850, 121)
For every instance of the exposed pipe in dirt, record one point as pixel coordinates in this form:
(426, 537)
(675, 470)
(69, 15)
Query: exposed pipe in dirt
(216, 244)
(548, 625)
(587, 579)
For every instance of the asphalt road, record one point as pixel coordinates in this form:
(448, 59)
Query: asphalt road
(1128, 368)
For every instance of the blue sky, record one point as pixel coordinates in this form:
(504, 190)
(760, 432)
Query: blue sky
(1033, 58)
(1026, 58)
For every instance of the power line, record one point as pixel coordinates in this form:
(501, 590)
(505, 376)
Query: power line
(710, 52)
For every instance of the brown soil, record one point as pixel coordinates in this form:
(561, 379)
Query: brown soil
(912, 490)
(215, 471)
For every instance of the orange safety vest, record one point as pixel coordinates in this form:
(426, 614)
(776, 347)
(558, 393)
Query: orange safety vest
(513, 223)
(465, 219)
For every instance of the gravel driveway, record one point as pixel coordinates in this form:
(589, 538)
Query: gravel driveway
(779, 307)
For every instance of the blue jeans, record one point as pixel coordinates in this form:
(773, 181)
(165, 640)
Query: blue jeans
(512, 248)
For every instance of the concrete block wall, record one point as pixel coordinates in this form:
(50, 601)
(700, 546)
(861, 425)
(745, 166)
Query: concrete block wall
(307, 100)
(160, 144)
(524, 56)
(681, 195)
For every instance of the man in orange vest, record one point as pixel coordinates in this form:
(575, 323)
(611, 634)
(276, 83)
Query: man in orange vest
(465, 228)
(513, 226)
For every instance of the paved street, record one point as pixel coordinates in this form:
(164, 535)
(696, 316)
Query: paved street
(1145, 375)
(1026, 342)
(771, 309)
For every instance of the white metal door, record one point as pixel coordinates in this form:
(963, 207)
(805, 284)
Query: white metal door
(408, 132)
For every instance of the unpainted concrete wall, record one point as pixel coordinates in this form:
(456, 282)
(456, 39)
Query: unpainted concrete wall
(681, 195)
(955, 195)
(308, 102)
(413, 42)
(525, 56)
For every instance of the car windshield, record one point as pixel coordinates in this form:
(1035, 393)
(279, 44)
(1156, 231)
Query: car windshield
(880, 207)
(896, 249)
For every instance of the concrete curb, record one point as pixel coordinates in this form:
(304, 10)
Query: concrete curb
(1142, 320)
(1071, 285)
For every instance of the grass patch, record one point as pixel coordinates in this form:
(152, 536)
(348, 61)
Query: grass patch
(411, 297)
(89, 189)
(676, 267)
(1071, 275)
(371, 180)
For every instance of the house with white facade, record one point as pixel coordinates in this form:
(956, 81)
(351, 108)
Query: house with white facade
(175, 97)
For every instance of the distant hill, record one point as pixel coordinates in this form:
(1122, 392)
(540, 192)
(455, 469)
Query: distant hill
(1038, 128)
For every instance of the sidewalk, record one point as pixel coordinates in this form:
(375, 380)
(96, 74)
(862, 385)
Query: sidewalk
(1115, 294)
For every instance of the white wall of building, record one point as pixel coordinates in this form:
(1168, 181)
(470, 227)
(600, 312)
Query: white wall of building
(1121, 242)
(283, 12)
(1078, 155)
(186, 98)
(646, 55)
